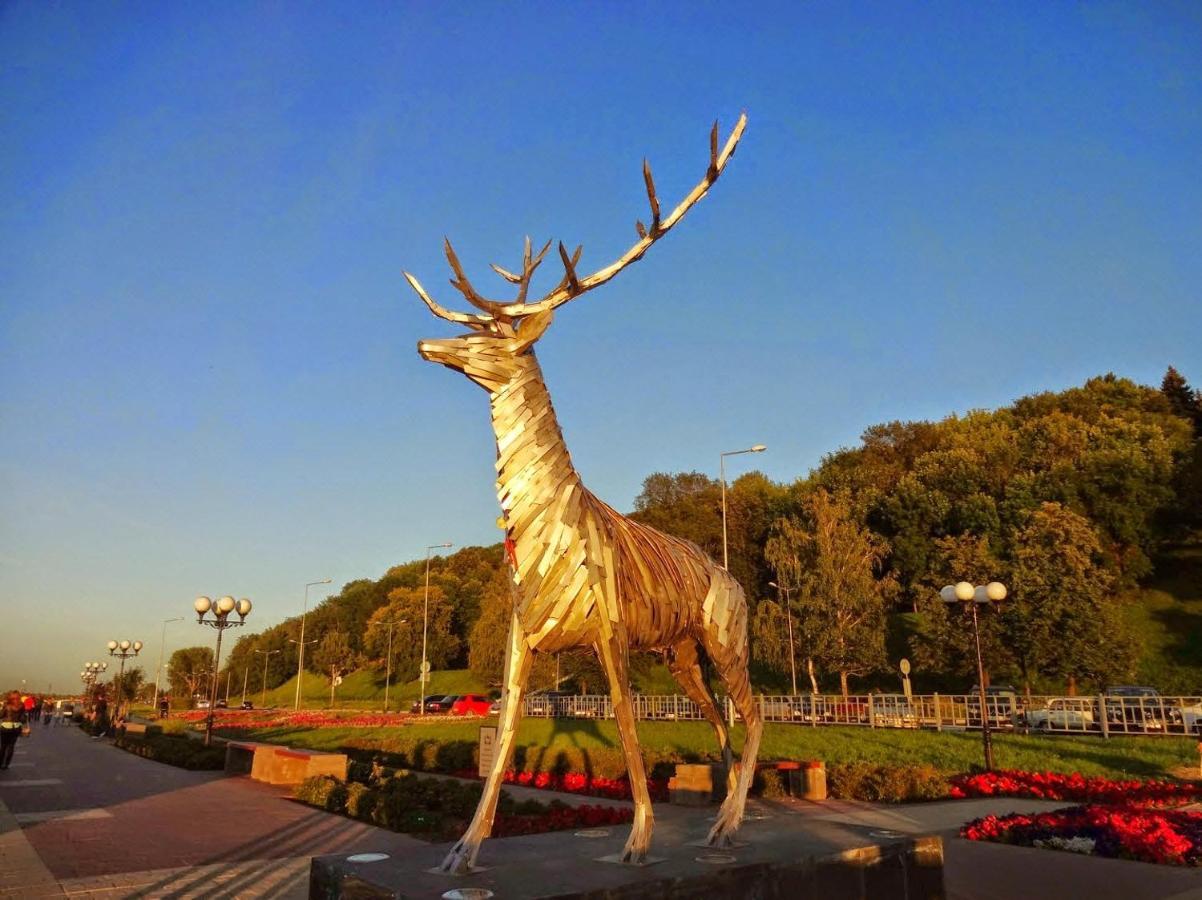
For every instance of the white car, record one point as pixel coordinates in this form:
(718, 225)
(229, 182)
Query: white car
(1191, 718)
(1063, 714)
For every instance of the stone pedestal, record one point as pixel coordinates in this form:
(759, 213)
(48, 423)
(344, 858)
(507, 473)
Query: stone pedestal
(698, 785)
(787, 856)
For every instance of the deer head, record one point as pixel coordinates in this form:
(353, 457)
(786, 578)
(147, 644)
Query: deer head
(503, 332)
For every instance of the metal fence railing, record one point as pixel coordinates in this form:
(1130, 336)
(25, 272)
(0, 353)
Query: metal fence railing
(1101, 715)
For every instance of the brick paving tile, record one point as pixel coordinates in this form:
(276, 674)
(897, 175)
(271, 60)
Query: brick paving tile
(140, 828)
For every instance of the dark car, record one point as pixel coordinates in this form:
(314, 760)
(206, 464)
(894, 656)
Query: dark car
(434, 704)
(546, 703)
(221, 703)
(1137, 708)
(247, 704)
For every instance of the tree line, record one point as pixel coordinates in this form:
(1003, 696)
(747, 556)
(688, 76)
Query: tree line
(1064, 496)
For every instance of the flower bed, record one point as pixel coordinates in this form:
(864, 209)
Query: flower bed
(585, 785)
(1074, 787)
(1167, 837)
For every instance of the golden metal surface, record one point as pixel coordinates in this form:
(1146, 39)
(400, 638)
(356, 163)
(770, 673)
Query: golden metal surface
(584, 575)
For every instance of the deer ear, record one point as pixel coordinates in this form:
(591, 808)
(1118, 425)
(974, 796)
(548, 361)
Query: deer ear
(532, 327)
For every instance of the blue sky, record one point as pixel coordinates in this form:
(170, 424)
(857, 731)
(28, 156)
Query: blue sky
(207, 372)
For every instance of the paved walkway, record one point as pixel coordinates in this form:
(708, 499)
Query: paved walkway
(80, 817)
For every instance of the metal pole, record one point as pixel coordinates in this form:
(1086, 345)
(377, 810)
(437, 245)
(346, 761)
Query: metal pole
(245, 675)
(263, 695)
(722, 478)
(158, 670)
(117, 704)
(421, 694)
(213, 690)
(388, 670)
(792, 655)
(300, 661)
(985, 735)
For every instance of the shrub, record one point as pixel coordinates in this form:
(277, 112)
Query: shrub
(324, 791)
(174, 751)
(886, 784)
(769, 783)
(360, 801)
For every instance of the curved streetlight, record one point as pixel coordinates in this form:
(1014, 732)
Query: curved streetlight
(789, 618)
(266, 656)
(971, 597)
(158, 671)
(758, 448)
(300, 660)
(220, 610)
(425, 670)
(388, 670)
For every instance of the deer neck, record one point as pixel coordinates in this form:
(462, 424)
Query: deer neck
(533, 463)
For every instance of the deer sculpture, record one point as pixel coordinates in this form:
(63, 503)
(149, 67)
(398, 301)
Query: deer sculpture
(583, 575)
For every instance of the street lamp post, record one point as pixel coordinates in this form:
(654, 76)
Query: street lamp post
(972, 597)
(300, 662)
(758, 448)
(425, 670)
(123, 650)
(221, 620)
(266, 656)
(158, 669)
(89, 675)
(388, 669)
(300, 648)
(789, 619)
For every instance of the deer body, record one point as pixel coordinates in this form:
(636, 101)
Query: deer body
(582, 574)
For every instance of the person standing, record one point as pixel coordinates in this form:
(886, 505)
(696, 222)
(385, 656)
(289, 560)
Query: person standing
(13, 723)
(47, 713)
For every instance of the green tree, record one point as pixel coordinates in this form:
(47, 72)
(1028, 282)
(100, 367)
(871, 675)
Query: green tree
(841, 601)
(1183, 400)
(128, 685)
(408, 605)
(1064, 619)
(190, 671)
(335, 657)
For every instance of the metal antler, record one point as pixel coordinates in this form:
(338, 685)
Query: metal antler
(571, 285)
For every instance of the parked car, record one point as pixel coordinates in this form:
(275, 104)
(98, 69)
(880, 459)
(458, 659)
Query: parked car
(783, 709)
(1001, 704)
(1064, 714)
(221, 703)
(546, 703)
(1191, 718)
(247, 704)
(1137, 708)
(494, 708)
(894, 711)
(202, 704)
(470, 705)
(435, 703)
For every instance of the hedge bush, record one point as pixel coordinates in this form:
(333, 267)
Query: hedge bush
(886, 784)
(174, 751)
(439, 809)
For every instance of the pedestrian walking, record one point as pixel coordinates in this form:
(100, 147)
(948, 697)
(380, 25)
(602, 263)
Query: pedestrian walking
(47, 713)
(13, 723)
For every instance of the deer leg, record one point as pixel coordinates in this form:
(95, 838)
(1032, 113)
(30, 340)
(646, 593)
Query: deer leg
(518, 658)
(685, 667)
(731, 661)
(614, 659)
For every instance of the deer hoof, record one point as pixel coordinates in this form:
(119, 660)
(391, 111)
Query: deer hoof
(459, 860)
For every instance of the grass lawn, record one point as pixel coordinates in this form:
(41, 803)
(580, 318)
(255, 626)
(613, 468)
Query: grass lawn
(585, 745)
